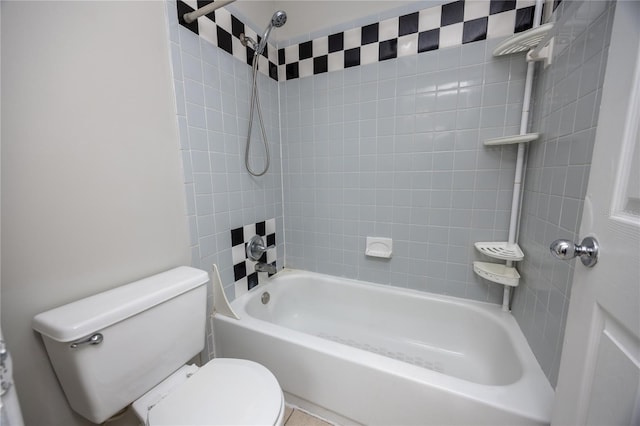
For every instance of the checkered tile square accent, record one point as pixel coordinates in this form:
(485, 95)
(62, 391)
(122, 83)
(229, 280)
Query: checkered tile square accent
(447, 25)
(223, 30)
(245, 275)
(451, 24)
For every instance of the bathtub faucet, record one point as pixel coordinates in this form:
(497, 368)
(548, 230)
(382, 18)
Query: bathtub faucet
(256, 248)
(265, 267)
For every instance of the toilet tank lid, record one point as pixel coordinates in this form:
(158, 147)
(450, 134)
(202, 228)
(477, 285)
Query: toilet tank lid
(86, 316)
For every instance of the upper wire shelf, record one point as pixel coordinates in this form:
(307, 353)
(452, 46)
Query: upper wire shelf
(524, 41)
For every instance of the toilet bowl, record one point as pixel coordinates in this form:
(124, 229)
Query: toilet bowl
(129, 345)
(222, 392)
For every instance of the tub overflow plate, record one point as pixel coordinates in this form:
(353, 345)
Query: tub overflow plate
(265, 298)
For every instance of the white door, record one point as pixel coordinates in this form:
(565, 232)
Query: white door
(599, 379)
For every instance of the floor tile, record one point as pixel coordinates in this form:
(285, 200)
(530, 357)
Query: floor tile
(287, 413)
(300, 418)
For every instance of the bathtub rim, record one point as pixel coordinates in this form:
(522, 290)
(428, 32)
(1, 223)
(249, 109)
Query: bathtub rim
(487, 309)
(514, 397)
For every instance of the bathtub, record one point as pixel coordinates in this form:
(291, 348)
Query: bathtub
(361, 353)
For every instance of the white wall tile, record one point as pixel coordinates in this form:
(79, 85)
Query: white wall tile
(429, 19)
(451, 35)
(352, 38)
(407, 45)
(501, 24)
(476, 9)
(388, 29)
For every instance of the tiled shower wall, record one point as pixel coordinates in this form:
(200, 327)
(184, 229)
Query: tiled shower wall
(394, 149)
(212, 105)
(567, 99)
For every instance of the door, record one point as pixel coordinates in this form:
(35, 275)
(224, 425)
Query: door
(599, 379)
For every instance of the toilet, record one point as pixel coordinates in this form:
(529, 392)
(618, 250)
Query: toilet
(130, 346)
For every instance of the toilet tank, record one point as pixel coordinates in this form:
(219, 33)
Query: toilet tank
(149, 329)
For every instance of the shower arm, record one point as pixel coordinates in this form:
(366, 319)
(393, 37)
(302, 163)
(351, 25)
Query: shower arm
(192, 16)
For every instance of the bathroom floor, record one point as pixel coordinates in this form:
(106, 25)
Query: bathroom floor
(295, 417)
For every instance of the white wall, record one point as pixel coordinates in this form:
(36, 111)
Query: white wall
(92, 195)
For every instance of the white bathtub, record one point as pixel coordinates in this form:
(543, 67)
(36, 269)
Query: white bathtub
(371, 354)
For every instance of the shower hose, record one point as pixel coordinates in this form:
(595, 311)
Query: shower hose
(255, 102)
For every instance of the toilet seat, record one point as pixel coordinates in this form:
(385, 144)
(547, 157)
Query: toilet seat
(223, 392)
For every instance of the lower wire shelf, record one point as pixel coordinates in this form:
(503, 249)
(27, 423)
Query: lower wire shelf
(497, 272)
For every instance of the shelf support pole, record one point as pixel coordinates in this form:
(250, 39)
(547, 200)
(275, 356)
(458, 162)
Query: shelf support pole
(516, 205)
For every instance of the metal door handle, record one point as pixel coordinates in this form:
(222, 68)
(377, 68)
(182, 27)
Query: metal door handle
(587, 250)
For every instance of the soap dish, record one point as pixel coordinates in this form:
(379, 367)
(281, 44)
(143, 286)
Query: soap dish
(379, 247)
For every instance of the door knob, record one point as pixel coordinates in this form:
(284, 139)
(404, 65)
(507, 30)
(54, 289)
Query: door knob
(587, 250)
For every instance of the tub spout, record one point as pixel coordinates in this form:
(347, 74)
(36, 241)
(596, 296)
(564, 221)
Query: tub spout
(265, 267)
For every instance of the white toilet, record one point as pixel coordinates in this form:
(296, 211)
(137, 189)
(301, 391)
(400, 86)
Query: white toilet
(129, 345)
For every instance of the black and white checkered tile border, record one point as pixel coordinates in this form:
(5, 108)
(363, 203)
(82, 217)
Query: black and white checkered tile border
(245, 275)
(223, 30)
(448, 25)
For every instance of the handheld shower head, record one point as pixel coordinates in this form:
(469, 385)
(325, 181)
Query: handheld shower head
(277, 20)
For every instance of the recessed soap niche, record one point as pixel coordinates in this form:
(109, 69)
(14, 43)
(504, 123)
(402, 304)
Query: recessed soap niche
(379, 247)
